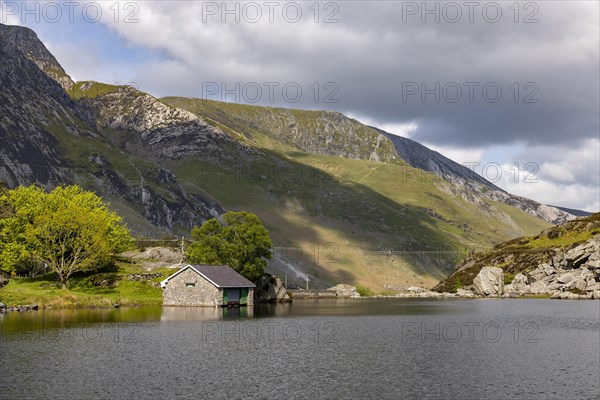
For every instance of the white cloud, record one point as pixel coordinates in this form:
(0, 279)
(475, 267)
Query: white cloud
(556, 175)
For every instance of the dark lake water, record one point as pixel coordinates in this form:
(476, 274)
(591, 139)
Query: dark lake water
(332, 349)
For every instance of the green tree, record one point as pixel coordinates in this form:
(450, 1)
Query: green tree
(69, 228)
(243, 243)
(5, 208)
(13, 250)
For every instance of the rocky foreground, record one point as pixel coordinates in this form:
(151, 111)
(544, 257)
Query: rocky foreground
(560, 262)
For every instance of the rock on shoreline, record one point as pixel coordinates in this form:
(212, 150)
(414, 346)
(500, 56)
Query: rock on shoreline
(4, 308)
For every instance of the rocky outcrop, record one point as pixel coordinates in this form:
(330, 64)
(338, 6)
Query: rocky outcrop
(343, 290)
(568, 246)
(271, 289)
(569, 274)
(165, 254)
(489, 282)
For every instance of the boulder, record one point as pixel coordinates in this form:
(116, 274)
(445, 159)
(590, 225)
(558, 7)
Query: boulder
(578, 284)
(416, 289)
(537, 274)
(4, 280)
(549, 270)
(519, 280)
(540, 287)
(580, 254)
(552, 286)
(566, 278)
(592, 285)
(271, 289)
(464, 293)
(489, 281)
(343, 290)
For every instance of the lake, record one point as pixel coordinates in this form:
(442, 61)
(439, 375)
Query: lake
(333, 349)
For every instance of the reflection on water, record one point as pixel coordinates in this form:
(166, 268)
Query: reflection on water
(49, 320)
(65, 318)
(381, 348)
(357, 307)
(205, 313)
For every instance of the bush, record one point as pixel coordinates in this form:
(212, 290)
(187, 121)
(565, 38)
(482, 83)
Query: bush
(364, 291)
(457, 285)
(508, 278)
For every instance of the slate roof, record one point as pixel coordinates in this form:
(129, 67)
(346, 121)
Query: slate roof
(219, 275)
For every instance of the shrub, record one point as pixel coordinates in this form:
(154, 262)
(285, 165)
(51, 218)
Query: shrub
(457, 285)
(364, 291)
(508, 278)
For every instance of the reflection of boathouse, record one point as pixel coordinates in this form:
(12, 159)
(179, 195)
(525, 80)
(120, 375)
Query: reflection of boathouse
(207, 285)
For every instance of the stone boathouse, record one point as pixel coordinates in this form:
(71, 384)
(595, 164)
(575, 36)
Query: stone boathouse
(207, 286)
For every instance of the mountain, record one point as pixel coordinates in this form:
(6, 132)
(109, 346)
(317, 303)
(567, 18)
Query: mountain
(333, 134)
(572, 211)
(551, 262)
(343, 201)
(419, 156)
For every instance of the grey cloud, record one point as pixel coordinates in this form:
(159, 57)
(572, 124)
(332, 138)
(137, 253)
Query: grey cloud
(371, 54)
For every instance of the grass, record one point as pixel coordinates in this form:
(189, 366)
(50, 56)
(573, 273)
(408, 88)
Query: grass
(84, 290)
(91, 90)
(364, 291)
(544, 242)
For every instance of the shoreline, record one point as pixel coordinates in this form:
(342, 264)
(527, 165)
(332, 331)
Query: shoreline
(441, 297)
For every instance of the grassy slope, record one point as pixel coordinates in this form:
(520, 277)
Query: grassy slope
(44, 291)
(282, 129)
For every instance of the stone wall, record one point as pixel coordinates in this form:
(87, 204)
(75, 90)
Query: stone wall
(203, 293)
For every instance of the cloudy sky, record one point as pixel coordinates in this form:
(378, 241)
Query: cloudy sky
(492, 83)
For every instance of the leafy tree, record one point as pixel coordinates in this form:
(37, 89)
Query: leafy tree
(243, 243)
(12, 250)
(69, 228)
(5, 208)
